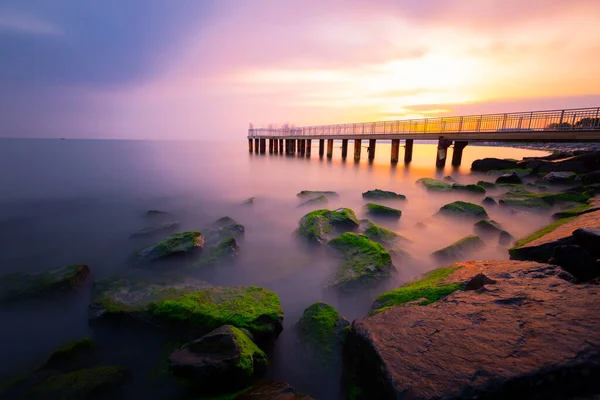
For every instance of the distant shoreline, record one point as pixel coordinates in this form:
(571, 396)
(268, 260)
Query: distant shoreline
(552, 147)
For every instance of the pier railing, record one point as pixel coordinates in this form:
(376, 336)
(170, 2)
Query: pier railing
(568, 120)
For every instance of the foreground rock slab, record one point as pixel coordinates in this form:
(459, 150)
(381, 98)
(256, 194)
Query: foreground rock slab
(531, 334)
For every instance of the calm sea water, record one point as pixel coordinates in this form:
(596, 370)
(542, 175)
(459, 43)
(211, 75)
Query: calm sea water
(77, 201)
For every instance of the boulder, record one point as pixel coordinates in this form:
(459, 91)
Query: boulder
(321, 331)
(435, 185)
(378, 233)
(486, 185)
(22, 286)
(487, 228)
(459, 250)
(225, 251)
(464, 210)
(383, 194)
(364, 263)
(560, 178)
(249, 201)
(589, 239)
(320, 225)
(489, 164)
(476, 189)
(579, 164)
(152, 230)
(513, 177)
(530, 335)
(71, 355)
(591, 178)
(505, 239)
(576, 261)
(312, 193)
(317, 201)
(383, 211)
(224, 228)
(223, 359)
(489, 201)
(271, 390)
(478, 281)
(175, 245)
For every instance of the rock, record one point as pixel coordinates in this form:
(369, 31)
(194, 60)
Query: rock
(435, 185)
(576, 261)
(156, 212)
(559, 178)
(449, 179)
(468, 188)
(530, 335)
(272, 390)
(225, 228)
(579, 164)
(383, 194)
(175, 245)
(71, 354)
(463, 209)
(378, 233)
(509, 178)
(591, 178)
(487, 228)
(320, 225)
(505, 239)
(486, 185)
(364, 263)
(589, 239)
(167, 226)
(225, 358)
(478, 281)
(249, 201)
(521, 172)
(489, 201)
(189, 305)
(316, 201)
(322, 331)
(383, 211)
(459, 250)
(224, 251)
(489, 164)
(310, 193)
(21, 286)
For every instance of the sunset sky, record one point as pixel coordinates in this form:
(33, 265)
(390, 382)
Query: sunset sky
(193, 69)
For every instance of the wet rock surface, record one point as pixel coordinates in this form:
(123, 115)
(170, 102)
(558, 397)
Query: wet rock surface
(512, 178)
(489, 164)
(272, 390)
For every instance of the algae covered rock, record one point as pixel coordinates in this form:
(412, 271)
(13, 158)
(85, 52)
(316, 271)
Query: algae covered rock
(463, 209)
(435, 185)
(487, 228)
(224, 251)
(378, 233)
(512, 178)
(322, 331)
(459, 250)
(364, 262)
(70, 353)
(383, 194)
(316, 201)
(225, 227)
(313, 193)
(320, 225)
(21, 286)
(468, 188)
(489, 201)
(225, 358)
(176, 244)
(383, 211)
(486, 185)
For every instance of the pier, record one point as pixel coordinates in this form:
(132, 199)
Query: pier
(568, 125)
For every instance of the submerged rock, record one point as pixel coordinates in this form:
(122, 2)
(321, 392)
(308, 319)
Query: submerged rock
(320, 225)
(486, 185)
(21, 286)
(513, 178)
(468, 188)
(459, 250)
(463, 209)
(316, 201)
(383, 211)
(249, 201)
(226, 228)
(224, 251)
(223, 359)
(176, 244)
(322, 331)
(489, 164)
(449, 179)
(489, 201)
(166, 226)
(71, 354)
(378, 233)
(487, 227)
(383, 194)
(364, 263)
(505, 239)
(156, 212)
(312, 193)
(435, 185)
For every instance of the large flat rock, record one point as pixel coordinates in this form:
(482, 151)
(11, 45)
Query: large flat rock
(532, 334)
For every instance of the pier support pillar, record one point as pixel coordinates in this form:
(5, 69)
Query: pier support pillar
(344, 148)
(329, 148)
(308, 147)
(459, 146)
(288, 147)
(357, 149)
(281, 151)
(271, 146)
(395, 150)
(263, 146)
(275, 145)
(321, 147)
(408, 150)
(301, 146)
(256, 145)
(442, 152)
(372, 143)
(250, 145)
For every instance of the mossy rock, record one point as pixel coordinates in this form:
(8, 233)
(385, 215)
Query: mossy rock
(383, 194)
(486, 185)
(378, 233)
(463, 209)
(435, 185)
(176, 244)
(459, 249)
(313, 193)
(383, 211)
(153, 230)
(225, 251)
(320, 225)
(322, 331)
(223, 359)
(70, 353)
(575, 211)
(97, 382)
(225, 228)
(21, 286)
(425, 290)
(314, 202)
(489, 201)
(487, 228)
(364, 263)
(476, 189)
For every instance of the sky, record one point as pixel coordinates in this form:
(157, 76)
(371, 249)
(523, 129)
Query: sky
(204, 69)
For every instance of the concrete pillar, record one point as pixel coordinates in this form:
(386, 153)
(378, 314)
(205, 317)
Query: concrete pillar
(344, 148)
(250, 143)
(372, 143)
(329, 148)
(408, 150)
(263, 146)
(275, 145)
(442, 152)
(357, 149)
(281, 150)
(294, 147)
(457, 153)
(308, 147)
(321, 147)
(271, 146)
(256, 145)
(395, 150)
(288, 146)
(301, 147)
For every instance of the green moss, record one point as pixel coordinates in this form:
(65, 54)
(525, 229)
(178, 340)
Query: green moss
(459, 249)
(312, 193)
(315, 201)
(70, 350)
(435, 185)
(572, 212)
(251, 356)
(383, 194)
(251, 307)
(486, 185)
(379, 234)
(488, 226)
(178, 243)
(463, 209)
(541, 232)
(384, 211)
(427, 288)
(224, 251)
(227, 228)
(316, 224)
(539, 201)
(322, 329)
(468, 188)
